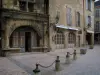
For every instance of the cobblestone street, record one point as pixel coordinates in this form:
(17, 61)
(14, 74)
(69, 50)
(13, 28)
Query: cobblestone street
(23, 64)
(85, 65)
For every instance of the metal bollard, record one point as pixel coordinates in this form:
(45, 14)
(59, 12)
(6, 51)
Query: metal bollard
(36, 70)
(67, 58)
(57, 64)
(74, 55)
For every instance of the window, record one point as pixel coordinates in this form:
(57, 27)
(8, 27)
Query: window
(97, 13)
(88, 4)
(69, 16)
(21, 38)
(97, 26)
(77, 19)
(39, 6)
(15, 39)
(22, 5)
(71, 38)
(30, 7)
(34, 39)
(15, 2)
(46, 6)
(89, 21)
(59, 38)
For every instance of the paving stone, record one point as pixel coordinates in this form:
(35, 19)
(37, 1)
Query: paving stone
(88, 64)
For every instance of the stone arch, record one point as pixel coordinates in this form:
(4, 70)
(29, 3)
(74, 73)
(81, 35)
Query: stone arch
(24, 37)
(13, 25)
(18, 23)
(35, 27)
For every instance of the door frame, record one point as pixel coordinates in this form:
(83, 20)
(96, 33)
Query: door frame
(27, 41)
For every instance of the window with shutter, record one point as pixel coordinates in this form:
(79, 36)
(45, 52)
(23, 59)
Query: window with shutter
(69, 16)
(89, 21)
(88, 4)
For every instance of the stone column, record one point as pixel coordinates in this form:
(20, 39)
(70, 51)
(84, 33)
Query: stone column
(52, 38)
(6, 40)
(77, 41)
(66, 39)
(92, 39)
(27, 5)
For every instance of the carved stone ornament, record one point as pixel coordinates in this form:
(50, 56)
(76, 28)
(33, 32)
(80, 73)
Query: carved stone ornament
(57, 17)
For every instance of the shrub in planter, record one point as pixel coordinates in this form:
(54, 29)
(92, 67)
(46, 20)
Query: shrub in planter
(91, 46)
(83, 51)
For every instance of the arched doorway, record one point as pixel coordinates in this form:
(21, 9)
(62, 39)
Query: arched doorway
(71, 40)
(89, 38)
(24, 37)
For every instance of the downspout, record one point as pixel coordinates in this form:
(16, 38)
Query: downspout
(48, 25)
(84, 31)
(0, 27)
(49, 48)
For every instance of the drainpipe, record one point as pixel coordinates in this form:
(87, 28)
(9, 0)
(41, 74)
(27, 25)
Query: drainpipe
(27, 5)
(0, 26)
(84, 31)
(48, 28)
(43, 37)
(48, 24)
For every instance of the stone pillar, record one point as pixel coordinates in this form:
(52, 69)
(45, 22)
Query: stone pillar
(77, 41)
(7, 41)
(66, 39)
(83, 38)
(6, 38)
(52, 39)
(27, 5)
(93, 39)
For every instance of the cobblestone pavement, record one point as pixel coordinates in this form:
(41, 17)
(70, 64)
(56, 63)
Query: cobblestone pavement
(27, 61)
(88, 64)
(9, 68)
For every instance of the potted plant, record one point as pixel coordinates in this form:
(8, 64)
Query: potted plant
(91, 46)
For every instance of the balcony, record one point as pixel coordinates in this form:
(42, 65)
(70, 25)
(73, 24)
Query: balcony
(33, 16)
(33, 6)
(37, 6)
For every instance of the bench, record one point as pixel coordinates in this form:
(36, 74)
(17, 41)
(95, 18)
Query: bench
(83, 51)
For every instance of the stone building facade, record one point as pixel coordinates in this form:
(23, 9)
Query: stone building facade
(25, 25)
(89, 22)
(69, 23)
(97, 23)
(34, 25)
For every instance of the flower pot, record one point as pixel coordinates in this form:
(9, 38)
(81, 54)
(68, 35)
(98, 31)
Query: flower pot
(91, 47)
